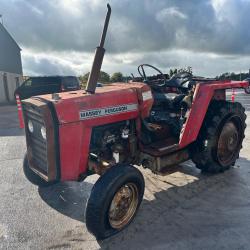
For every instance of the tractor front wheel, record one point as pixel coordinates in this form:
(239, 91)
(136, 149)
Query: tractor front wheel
(220, 140)
(114, 200)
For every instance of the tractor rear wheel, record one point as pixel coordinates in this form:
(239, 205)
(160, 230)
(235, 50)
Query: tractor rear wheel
(220, 139)
(114, 200)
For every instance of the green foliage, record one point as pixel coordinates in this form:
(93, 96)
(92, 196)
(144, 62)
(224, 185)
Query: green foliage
(117, 77)
(103, 78)
(233, 76)
(175, 71)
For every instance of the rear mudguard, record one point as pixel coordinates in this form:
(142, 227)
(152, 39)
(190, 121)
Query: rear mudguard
(203, 95)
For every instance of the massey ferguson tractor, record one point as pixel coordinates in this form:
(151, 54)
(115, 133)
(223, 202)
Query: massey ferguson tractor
(154, 122)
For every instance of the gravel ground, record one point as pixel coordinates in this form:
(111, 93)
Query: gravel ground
(183, 210)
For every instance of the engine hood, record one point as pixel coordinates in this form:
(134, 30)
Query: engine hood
(108, 100)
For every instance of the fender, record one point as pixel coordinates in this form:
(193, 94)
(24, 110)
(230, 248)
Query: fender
(203, 95)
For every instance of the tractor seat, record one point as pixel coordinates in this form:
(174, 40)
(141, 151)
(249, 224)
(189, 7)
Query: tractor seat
(171, 99)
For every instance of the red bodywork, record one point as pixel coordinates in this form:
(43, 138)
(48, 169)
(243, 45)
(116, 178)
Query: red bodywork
(202, 97)
(75, 134)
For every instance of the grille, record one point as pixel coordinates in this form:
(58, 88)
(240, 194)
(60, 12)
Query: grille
(36, 142)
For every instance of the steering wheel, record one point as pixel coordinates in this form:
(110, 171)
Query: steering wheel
(142, 73)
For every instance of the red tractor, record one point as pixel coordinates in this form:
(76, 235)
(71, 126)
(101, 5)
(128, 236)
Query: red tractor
(155, 123)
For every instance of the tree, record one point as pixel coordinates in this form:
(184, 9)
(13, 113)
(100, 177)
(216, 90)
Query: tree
(181, 70)
(103, 78)
(190, 69)
(117, 77)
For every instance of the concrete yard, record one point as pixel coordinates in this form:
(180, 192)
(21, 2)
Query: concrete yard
(183, 210)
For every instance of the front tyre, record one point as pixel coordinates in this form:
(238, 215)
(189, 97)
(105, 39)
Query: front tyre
(114, 200)
(33, 177)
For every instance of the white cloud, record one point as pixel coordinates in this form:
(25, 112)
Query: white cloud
(164, 14)
(71, 7)
(218, 4)
(60, 36)
(62, 63)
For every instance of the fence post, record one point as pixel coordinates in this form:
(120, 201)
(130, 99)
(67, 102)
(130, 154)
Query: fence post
(233, 95)
(20, 111)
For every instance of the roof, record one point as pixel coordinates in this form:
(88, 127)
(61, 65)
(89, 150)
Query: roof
(2, 28)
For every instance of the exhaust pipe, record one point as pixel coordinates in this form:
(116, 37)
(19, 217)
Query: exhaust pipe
(99, 54)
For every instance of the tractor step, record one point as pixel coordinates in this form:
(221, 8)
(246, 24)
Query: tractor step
(162, 147)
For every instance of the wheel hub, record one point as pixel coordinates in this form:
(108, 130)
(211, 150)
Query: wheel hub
(228, 144)
(123, 206)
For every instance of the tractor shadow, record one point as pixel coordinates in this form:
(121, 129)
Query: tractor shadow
(68, 198)
(178, 211)
(189, 210)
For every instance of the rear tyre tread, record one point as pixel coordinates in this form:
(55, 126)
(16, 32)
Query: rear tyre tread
(218, 111)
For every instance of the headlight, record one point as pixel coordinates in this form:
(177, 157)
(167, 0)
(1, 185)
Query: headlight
(30, 126)
(43, 132)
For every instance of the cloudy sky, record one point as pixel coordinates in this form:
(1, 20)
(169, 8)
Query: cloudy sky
(60, 36)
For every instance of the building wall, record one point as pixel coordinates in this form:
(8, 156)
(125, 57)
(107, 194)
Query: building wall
(12, 85)
(10, 59)
(10, 66)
